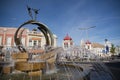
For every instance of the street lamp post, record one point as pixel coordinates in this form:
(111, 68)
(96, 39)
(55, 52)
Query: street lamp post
(86, 29)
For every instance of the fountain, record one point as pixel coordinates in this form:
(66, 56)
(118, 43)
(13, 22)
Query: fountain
(82, 67)
(54, 63)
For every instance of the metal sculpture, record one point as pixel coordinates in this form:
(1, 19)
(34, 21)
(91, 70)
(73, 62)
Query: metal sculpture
(43, 28)
(30, 10)
(20, 41)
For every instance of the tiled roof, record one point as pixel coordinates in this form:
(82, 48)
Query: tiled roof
(67, 37)
(87, 42)
(97, 45)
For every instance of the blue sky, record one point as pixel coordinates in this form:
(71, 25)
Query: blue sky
(67, 16)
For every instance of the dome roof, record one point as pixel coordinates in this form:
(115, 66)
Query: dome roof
(67, 37)
(87, 42)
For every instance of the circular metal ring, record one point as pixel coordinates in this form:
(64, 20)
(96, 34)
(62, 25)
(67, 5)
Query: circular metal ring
(42, 27)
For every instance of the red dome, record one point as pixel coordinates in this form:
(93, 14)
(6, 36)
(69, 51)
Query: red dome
(67, 37)
(87, 42)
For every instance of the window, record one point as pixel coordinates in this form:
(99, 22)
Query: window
(39, 43)
(8, 43)
(35, 43)
(88, 47)
(30, 42)
(71, 43)
(66, 45)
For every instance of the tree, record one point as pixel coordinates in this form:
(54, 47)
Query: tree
(112, 50)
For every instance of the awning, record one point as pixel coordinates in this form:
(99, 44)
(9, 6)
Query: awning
(36, 38)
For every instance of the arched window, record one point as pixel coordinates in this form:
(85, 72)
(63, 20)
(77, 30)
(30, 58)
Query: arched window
(66, 45)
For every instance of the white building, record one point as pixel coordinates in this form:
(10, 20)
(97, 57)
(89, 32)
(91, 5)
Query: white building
(98, 49)
(67, 42)
(117, 50)
(95, 48)
(37, 39)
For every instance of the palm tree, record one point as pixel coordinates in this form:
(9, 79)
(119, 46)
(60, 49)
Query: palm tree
(112, 50)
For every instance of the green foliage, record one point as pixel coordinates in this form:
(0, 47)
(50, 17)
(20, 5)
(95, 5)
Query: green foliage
(112, 50)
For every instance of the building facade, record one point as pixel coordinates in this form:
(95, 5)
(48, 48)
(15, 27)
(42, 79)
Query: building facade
(29, 38)
(67, 42)
(36, 39)
(7, 37)
(96, 48)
